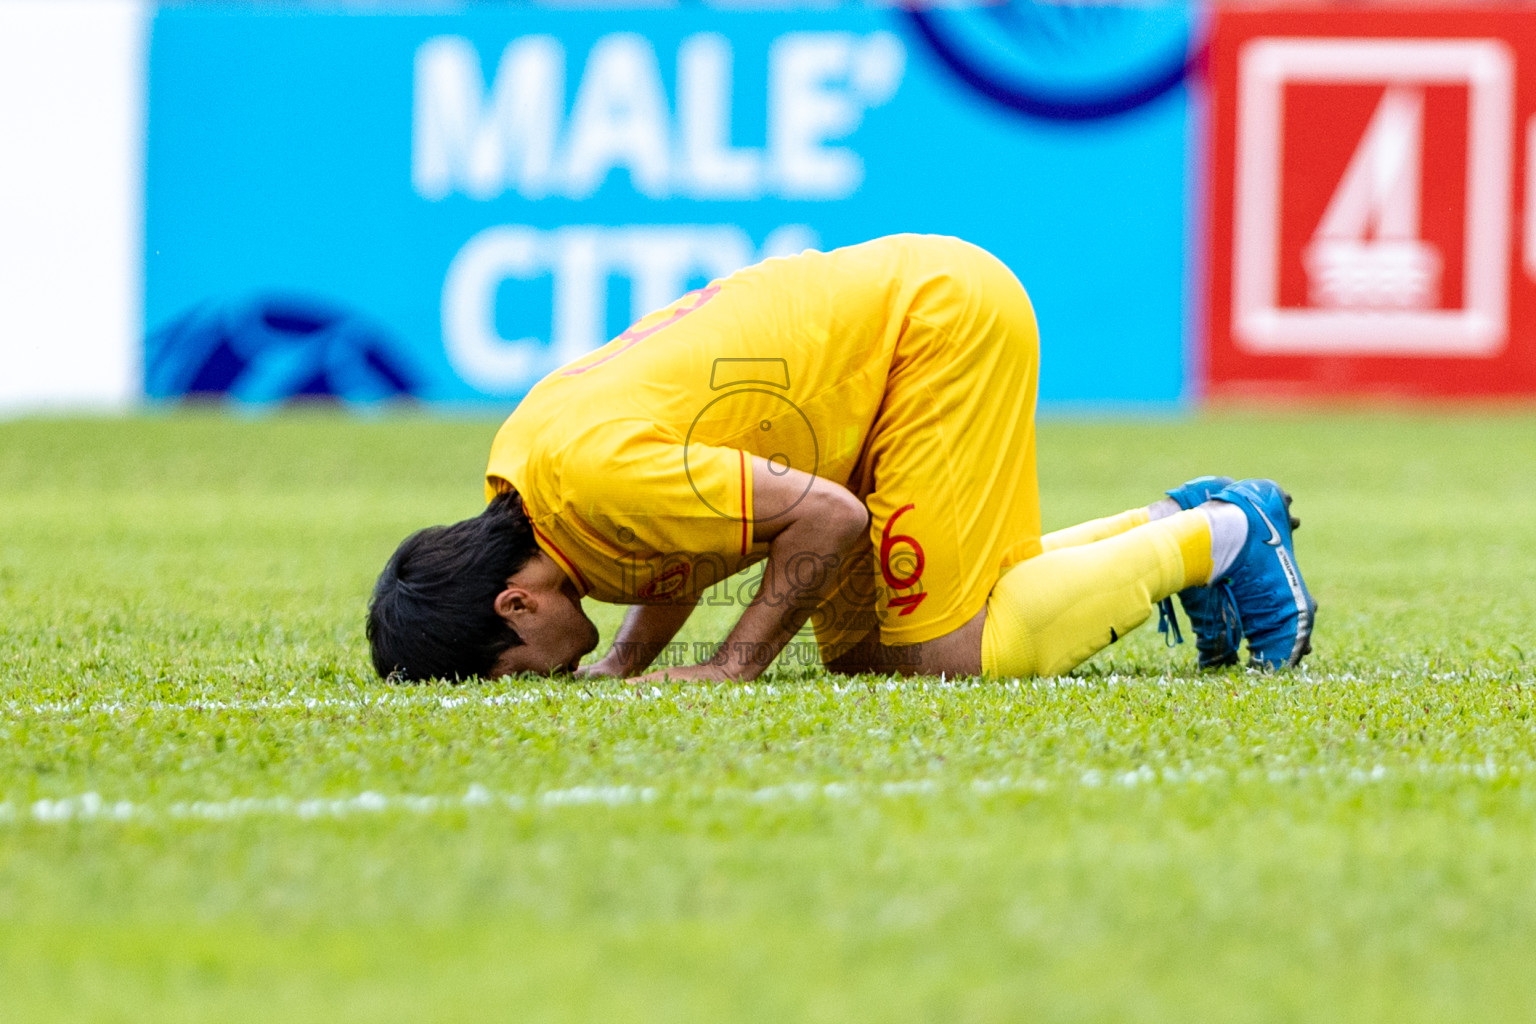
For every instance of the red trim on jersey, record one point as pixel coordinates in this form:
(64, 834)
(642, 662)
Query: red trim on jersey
(746, 533)
(580, 579)
(634, 337)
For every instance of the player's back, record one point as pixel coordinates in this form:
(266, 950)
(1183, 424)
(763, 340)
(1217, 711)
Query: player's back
(787, 358)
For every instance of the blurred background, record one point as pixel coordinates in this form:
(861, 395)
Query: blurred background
(428, 203)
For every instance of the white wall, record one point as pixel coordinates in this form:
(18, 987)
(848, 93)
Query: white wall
(72, 102)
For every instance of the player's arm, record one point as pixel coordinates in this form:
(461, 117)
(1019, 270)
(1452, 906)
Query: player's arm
(824, 524)
(645, 632)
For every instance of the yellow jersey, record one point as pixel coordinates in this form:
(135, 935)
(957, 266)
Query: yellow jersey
(633, 461)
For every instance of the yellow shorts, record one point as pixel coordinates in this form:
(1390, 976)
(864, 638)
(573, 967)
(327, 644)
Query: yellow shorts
(948, 472)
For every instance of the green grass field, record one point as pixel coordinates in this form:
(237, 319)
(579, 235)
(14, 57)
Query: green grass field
(209, 809)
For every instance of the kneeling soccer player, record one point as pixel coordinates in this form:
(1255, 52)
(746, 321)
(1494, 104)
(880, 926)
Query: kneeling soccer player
(862, 421)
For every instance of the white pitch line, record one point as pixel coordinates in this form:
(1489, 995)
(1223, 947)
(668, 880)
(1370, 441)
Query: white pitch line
(386, 700)
(580, 694)
(93, 807)
(572, 693)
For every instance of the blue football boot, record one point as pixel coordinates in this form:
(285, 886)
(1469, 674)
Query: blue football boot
(1212, 613)
(1272, 602)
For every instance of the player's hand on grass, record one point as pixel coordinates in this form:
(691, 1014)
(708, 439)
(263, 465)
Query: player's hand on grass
(602, 668)
(706, 673)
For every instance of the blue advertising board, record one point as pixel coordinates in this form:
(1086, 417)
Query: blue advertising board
(450, 205)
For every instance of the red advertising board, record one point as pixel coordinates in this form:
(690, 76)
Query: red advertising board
(1371, 230)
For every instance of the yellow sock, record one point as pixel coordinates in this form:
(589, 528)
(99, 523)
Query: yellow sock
(1094, 529)
(1052, 612)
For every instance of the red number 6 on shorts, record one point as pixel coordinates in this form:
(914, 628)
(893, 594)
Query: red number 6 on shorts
(889, 541)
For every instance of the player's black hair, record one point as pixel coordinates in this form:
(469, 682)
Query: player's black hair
(433, 615)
